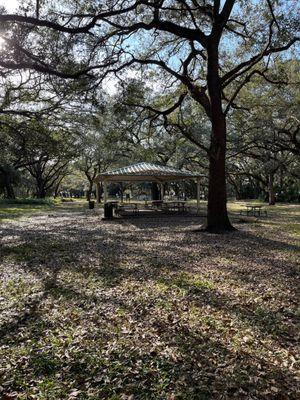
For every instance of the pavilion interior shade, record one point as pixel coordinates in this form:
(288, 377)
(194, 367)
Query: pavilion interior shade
(146, 172)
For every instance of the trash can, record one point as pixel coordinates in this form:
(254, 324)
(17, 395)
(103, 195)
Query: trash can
(108, 211)
(91, 205)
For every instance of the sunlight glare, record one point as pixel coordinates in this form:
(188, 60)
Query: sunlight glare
(10, 5)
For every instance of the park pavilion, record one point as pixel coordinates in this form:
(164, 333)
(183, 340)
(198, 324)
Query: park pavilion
(146, 172)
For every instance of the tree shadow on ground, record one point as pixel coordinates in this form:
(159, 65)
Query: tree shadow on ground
(99, 270)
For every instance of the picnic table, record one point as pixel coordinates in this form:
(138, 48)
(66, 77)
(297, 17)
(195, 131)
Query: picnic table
(158, 205)
(178, 206)
(254, 210)
(125, 207)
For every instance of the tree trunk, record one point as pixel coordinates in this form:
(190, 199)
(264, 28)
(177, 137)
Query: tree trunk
(217, 217)
(271, 189)
(281, 178)
(57, 187)
(40, 188)
(237, 189)
(89, 191)
(56, 191)
(41, 193)
(7, 183)
(10, 194)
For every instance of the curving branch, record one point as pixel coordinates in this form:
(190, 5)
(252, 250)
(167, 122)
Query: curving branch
(247, 65)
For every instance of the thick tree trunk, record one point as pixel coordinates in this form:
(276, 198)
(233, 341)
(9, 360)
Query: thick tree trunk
(40, 188)
(271, 190)
(89, 191)
(10, 193)
(217, 216)
(7, 183)
(9, 190)
(41, 193)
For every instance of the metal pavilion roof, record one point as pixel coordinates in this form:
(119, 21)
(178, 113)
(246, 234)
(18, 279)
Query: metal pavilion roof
(146, 172)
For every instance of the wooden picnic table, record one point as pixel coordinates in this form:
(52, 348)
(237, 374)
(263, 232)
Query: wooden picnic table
(253, 209)
(131, 207)
(157, 203)
(177, 205)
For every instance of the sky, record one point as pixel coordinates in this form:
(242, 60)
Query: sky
(110, 83)
(10, 5)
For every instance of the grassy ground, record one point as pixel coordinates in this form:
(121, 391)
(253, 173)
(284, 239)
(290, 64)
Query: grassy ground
(11, 209)
(148, 309)
(15, 209)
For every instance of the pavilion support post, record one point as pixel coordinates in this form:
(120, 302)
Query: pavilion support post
(198, 195)
(98, 192)
(104, 192)
(161, 191)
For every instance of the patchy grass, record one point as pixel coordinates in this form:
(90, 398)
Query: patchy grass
(281, 216)
(17, 208)
(148, 309)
